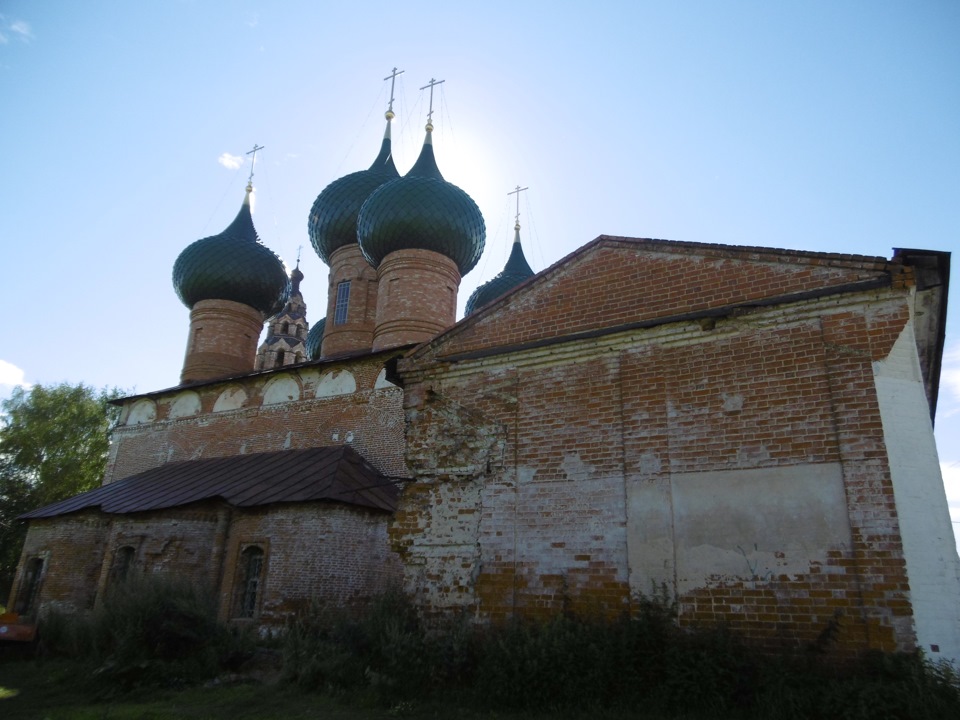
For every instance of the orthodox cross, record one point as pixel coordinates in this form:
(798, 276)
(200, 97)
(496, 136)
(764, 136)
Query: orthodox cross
(253, 160)
(517, 193)
(392, 77)
(430, 85)
(299, 248)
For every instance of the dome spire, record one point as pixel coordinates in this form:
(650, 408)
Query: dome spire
(253, 162)
(333, 218)
(392, 77)
(426, 164)
(516, 271)
(431, 85)
(516, 224)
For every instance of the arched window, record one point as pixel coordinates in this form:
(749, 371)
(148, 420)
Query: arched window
(122, 562)
(286, 329)
(280, 357)
(29, 587)
(249, 579)
(343, 302)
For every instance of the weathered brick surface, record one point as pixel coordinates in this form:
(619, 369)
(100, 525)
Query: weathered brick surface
(417, 297)
(324, 552)
(734, 460)
(619, 280)
(368, 417)
(72, 551)
(526, 461)
(223, 340)
(319, 552)
(347, 264)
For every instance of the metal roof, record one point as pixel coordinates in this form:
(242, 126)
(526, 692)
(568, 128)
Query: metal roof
(333, 474)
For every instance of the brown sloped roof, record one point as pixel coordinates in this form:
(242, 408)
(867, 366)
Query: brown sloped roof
(334, 474)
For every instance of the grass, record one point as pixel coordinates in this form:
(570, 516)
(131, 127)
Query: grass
(59, 690)
(155, 650)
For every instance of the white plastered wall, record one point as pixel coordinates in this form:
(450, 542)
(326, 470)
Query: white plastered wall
(933, 567)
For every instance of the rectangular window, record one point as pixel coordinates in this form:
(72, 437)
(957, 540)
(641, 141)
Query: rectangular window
(249, 572)
(343, 300)
(26, 604)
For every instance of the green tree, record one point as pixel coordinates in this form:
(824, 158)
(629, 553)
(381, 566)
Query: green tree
(53, 445)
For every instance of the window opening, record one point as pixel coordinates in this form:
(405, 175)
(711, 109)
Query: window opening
(248, 586)
(343, 301)
(286, 328)
(122, 562)
(280, 357)
(29, 587)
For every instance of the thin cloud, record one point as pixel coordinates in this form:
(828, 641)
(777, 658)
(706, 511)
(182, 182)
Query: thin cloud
(22, 28)
(231, 162)
(11, 375)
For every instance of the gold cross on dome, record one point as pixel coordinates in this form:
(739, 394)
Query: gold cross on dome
(392, 77)
(253, 160)
(517, 193)
(430, 85)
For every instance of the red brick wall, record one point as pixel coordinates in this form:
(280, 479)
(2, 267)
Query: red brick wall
(324, 552)
(222, 341)
(72, 549)
(417, 297)
(616, 281)
(371, 419)
(356, 334)
(525, 461)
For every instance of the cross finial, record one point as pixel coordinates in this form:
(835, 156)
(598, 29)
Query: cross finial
(253, 162)
(517, 193)
(299, 249)
(392, 77)
(430, 114)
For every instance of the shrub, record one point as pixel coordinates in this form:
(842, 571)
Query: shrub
(381, 647)
(644, 665)
(148, 630)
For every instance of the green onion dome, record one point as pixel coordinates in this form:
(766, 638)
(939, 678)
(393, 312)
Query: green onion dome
(315, 339)
(233, 265)
(422, 211)
(514, 272)
(333, 217)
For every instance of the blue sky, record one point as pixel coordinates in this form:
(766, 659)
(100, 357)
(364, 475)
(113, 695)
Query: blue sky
(816, 125)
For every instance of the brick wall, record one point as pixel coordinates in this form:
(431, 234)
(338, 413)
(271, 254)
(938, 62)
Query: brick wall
(72, 551)
(319, 552)
(584, 474)
(331, 404)
(417, 297)
(222, 341)
(347, 264)
(619, 280)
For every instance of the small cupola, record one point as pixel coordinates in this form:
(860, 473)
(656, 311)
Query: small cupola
(514, 272)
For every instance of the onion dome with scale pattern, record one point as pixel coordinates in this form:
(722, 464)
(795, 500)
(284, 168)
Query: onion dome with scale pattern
(514, 272)
(333, 217)
(422, 211)
(315, 340)
(235, 266)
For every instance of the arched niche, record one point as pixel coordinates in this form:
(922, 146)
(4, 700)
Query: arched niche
(336, 382)
(142, 411)
(233, 398)
(185, 404)
(281, 389)
(382, 381)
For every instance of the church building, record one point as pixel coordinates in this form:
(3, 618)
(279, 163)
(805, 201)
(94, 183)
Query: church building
(744, 432)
